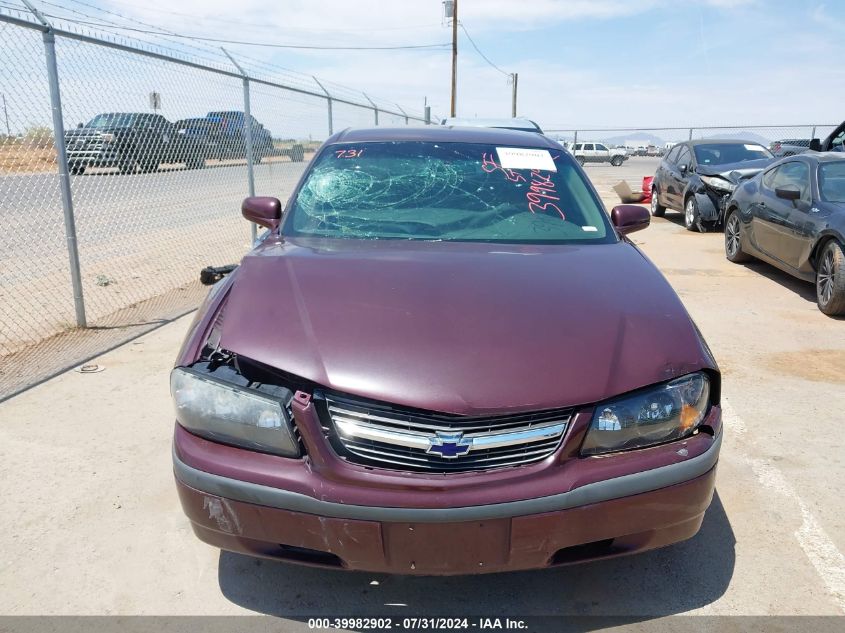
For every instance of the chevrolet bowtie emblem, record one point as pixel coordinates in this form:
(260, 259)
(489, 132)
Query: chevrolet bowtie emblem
(449, 445)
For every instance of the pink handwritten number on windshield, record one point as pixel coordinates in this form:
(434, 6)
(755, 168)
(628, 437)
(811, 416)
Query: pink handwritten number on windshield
(489, 164)
(541, 192)
(349, 153)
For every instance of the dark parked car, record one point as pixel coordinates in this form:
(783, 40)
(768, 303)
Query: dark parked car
(200, 131)
(229, 129)
(697, 178)
(130, 141)
(445, 358)
(793, 216)
(789, 147)
(835, 141)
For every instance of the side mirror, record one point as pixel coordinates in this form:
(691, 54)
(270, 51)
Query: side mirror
(628, 218)
(79, 125)
(683, 168)
(262, 210)
(815, 145)
(788, 192)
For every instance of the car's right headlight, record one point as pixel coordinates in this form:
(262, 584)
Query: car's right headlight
(650, 416)
(224, 412)
(720, 184)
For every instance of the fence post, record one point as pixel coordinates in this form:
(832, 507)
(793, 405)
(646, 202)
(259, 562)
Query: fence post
(328, 101)
(405, 114)
(812, 134)
(250, 173)
(375, 108)
(690, 133)
(61, 158)
(575, 140)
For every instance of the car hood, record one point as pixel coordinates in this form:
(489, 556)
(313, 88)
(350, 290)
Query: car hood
(735, 171)
(462, 328)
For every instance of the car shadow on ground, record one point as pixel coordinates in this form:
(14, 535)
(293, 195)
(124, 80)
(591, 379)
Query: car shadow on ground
(803, 289)
(677, 579)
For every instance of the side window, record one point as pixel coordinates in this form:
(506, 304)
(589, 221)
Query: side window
(672, 156)
(684, 157)
(769, 178)
(796, 174)
(601, 147)
(588, 147)
(838, 141)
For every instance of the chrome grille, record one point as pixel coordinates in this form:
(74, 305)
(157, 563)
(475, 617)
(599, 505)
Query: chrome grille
(380, 435)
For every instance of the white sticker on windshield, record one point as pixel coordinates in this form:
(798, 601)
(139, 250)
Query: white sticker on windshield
(754, 148)
(589, 229)
(523, 158)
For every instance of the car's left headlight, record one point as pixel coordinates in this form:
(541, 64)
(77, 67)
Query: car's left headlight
(225, 412)
(651, 416)
(719, 184)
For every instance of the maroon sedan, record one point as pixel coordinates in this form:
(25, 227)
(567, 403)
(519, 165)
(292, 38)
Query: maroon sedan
(444, 358)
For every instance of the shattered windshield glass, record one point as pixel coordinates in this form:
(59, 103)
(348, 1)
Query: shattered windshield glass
(447, 191)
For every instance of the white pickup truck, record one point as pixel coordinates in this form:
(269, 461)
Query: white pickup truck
(598, 153)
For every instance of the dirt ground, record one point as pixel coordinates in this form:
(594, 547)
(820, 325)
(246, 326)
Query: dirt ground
(91, 523)
(18, 156)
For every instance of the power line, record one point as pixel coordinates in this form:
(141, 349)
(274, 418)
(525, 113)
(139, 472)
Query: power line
(264, 25)
(248, 43)
(478, 50)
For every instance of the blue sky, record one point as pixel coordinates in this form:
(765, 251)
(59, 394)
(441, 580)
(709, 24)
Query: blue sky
(581, 63)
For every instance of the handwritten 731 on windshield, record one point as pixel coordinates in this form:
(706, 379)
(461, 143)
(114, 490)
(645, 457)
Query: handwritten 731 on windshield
(542, 192)
(349, 153)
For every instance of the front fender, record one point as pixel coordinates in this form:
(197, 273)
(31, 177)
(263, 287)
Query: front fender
(706, 209)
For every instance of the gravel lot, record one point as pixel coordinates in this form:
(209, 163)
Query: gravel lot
(91, 523)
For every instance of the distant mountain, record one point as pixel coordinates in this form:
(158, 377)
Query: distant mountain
(645, 138)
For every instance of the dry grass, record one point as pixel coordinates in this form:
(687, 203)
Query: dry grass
(26, 156)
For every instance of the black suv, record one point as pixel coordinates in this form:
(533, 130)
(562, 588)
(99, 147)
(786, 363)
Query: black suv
(130, 141)
(698, 177)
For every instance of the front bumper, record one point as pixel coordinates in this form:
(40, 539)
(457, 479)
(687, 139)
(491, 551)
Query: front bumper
(612, 528)
(93, 158)
(329, 513)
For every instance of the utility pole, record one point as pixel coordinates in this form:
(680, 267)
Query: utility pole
(454, 56)
(514, 78)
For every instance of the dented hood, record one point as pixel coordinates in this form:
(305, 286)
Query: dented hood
(461, 327)
(735, 171)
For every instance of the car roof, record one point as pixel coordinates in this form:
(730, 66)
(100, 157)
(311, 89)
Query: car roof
(818, 157)
(445, 134)
(722, 141)
(515, 123)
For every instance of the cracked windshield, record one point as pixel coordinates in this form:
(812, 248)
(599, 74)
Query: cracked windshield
(447, 191)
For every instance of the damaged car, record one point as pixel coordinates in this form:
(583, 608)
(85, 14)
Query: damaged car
(792, 216)
(698, 177)
(445, 357)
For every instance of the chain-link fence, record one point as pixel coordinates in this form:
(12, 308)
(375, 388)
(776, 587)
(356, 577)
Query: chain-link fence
(123, 166)
(782, 140)
(122, 170)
